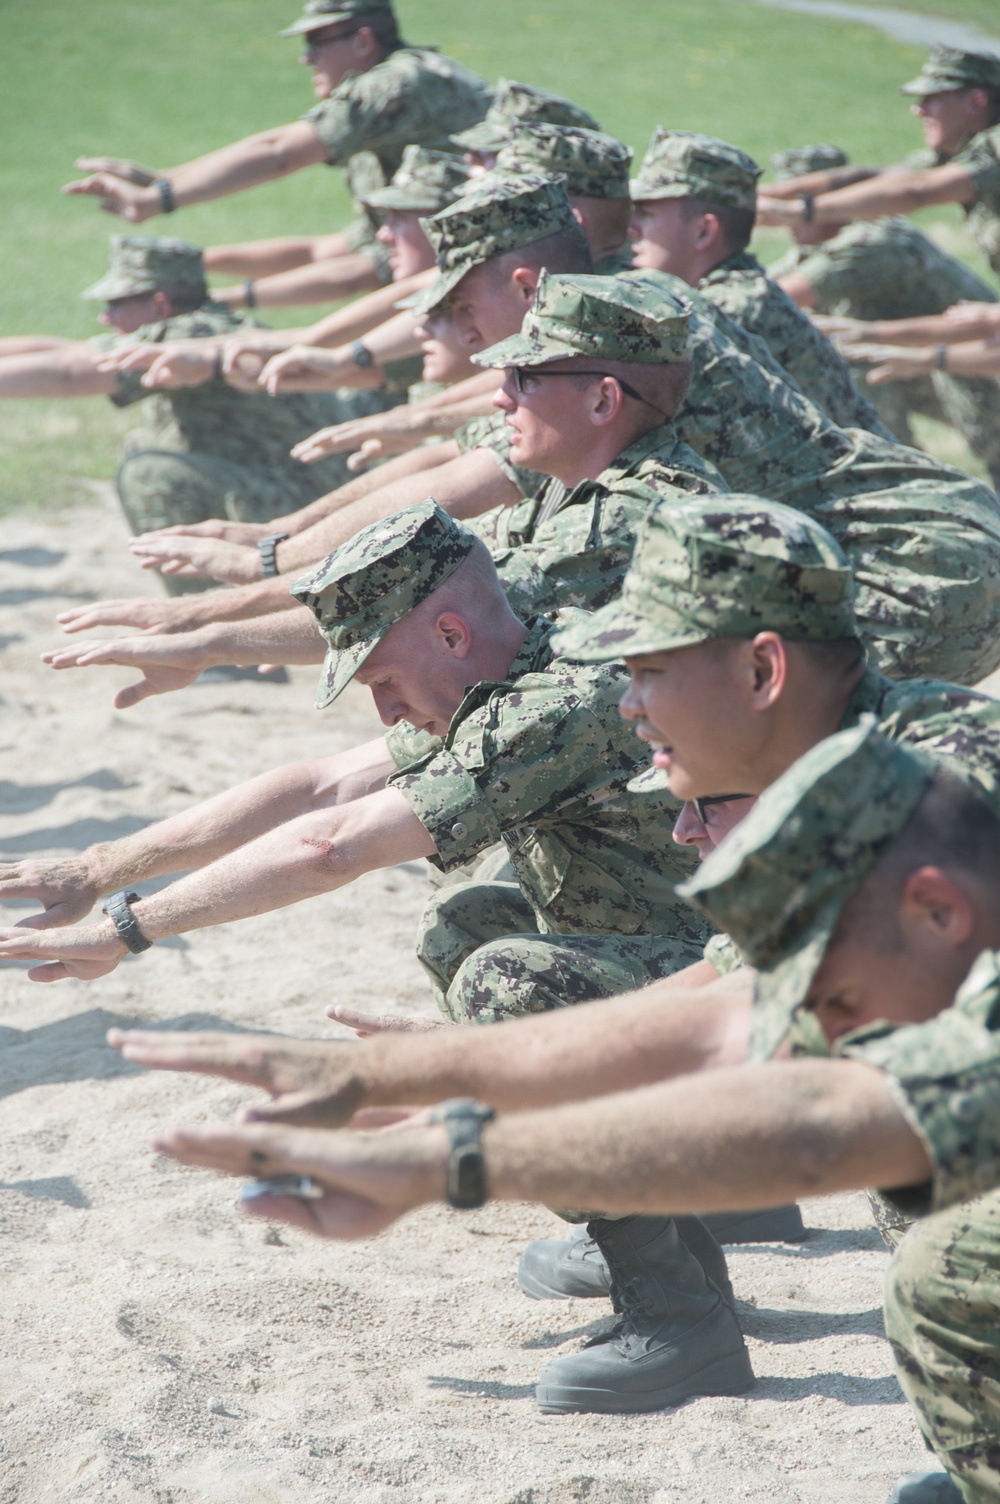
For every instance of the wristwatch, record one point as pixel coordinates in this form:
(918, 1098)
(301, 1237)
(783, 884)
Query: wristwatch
(116, 906)
(266, 548)
(361, 355)
(464, 1119)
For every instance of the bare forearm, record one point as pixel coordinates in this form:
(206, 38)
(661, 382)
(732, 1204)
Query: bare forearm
(278, 637)
(314, 282)
(615, 1044)
(897, 192)
(259, 258)
(69, 370)
(256, 159)
(744, 1137)
(366, 314)
(821, 182)
(466, 486)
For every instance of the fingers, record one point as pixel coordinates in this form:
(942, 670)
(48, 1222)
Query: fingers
(132, 694)
(370, 451)
(120, 613)
(381, 1023)
(300, 1109)
(119, 167)
(234, 1057)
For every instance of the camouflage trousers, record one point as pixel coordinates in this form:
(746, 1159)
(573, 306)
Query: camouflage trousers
(970, 404)
(480, 946)
(943, 1321)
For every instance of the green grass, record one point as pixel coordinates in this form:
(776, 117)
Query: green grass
(164, 82)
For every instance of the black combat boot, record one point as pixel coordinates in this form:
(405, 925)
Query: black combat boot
(675, 1335)
(775, 1224)
(925, 1488)
(575, 1268)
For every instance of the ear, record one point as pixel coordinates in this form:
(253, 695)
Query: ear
(933, 903)
(769, 662)
(525, 279)
(163, 305)
(454, 633)
(605, 403)
(709, 236)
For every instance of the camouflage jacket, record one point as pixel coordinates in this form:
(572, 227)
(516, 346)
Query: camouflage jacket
(945, 1076)
(981, 160)
(217, 420)
(414, 96)
(743, 290)
(572, 548)
(883, 269)
(490, 432)
(542, 762)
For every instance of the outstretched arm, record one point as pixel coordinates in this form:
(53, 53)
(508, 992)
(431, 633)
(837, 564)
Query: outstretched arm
(256, 159)
(68, 369)
(610, 1045)
(266, 258)
(68, 887)
(902, 191)
(745, 1137)
(312, 854)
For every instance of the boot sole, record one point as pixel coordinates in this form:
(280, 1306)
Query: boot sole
(727, 1376)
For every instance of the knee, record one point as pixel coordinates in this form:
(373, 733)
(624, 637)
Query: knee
(495, 983)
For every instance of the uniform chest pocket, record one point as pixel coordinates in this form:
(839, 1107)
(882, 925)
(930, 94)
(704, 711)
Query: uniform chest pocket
(571, 893)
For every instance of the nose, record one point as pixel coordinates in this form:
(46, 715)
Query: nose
(504, 397)
(630, 704)
(385, 235)
(688, 829)
(387, 706)
(634, 229)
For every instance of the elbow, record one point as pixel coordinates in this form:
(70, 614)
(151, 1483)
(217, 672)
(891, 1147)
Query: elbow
(326, 862)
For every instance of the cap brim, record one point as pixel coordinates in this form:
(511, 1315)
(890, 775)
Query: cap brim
(924, 86)
(478, 138)
(398, 198)
(521, 350)
(340, 665)
(443, 284)
(616, 632)
(638, 190)
(782, 989)
(109, 288)
(315, 23)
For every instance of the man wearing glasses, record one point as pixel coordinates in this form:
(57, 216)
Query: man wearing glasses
(377, 96)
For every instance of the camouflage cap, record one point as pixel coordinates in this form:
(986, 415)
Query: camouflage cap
(149, 263)
(778, 882)
(514, 103)
(802, 159)
(605, 317)
(318, 14)
(592, 164)
(498, 212)
(425, 182)
(387, 569)
(947, 68)
(682, 164)
(721, 566)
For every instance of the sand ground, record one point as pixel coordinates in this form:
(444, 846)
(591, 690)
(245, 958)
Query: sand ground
(155, 1348)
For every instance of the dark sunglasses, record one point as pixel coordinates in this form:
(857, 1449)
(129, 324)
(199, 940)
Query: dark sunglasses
(313, 40)
(701, 805)
(518, 373)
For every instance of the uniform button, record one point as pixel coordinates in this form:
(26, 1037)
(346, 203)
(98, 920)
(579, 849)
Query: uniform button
(459, 829)
(964, 1107)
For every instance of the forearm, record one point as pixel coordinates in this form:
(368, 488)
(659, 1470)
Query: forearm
(614, 1044)
(244, 164)
(259, 258)
(745, 1137)
(278, 637)
(821, 182)
(465, 487)
(931, 329)
(357, 320)
(69, 370)
(313, 282)
(28, 344)
(896, 192)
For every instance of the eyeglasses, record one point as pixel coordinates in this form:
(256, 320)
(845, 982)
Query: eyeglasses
(518, 374)
(314, 40)
(702, 805)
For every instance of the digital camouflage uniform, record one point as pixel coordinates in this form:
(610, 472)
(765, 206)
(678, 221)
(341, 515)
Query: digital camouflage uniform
(572, 548)
(591, 164)
(923, 538)
(889, 269)
(779, 883)
(946, 69)
(517, 104)
(539, 761)
(740, 566)
(682, 165)
(210, 451)
(414, 96)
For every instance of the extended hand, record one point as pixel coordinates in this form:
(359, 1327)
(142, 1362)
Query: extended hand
(373, 436)
(778, 211)
(894, 362)
(976, 320)
(303, 368)
(182, 615)
(368, 1179)
(244, 533)
(166, 662)
(62, 885)
(365, 1024)
(313, 1082)
(119, 167)
(211, 558)
(82, 951)
(117, 196)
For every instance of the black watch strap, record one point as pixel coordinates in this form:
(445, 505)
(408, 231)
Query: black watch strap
(361, 355)
(266, 548)
(464, 1119)
(116, 906)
